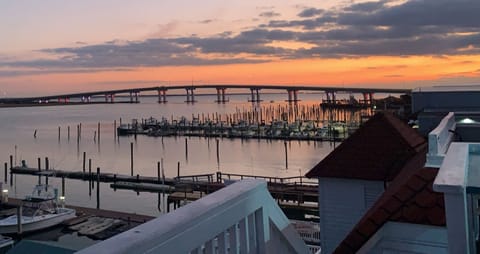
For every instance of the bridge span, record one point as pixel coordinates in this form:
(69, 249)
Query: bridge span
(134, 93)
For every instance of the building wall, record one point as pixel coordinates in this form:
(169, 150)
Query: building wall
(342, 203)
(451, 100)
(406, 238)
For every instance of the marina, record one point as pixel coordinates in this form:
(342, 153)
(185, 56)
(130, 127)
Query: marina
(172, 180)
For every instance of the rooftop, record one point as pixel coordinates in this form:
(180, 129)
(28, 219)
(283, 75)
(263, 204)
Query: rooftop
(410, 199)
(376, 151)
(446, 88)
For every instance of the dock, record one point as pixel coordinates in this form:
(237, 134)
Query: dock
(97, 224)
(294, 194)
(253, 127)
(82, 211)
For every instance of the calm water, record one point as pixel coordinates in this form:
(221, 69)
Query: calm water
(256, 157)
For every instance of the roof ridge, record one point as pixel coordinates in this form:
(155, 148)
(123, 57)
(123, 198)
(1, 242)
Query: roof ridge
(376, 151)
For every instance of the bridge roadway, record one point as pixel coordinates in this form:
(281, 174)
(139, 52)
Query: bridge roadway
(292, 92)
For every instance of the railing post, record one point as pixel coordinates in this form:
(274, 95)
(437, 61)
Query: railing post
(233, 239)
(262, 227)
(243, 235)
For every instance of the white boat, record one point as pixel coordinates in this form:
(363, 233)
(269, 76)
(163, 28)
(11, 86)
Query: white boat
(39, 211)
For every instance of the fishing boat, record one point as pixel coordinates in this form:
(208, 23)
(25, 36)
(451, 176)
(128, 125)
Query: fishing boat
(39, 211)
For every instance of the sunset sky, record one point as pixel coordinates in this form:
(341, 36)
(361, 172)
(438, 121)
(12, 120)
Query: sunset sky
(57, 46)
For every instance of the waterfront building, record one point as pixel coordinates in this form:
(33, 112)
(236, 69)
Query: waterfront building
(353, 176)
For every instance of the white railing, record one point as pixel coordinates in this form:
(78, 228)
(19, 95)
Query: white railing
(459, 180)
(240, 218)
(439, 139)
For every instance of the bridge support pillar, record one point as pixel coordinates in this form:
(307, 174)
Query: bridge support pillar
(221, 95)
(219, 99)
(331, 100)
(131, 97)
(162, 95)
(365, 99)
(255, 95)
(190, 95)
(292, 95)
(370, 98)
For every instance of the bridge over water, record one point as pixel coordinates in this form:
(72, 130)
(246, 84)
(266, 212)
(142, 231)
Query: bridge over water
(221, 89)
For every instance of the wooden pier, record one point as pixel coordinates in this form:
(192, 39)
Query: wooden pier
(294, 191)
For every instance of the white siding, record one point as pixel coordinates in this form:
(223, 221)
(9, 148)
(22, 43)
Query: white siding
(342, 202)
(406, 238)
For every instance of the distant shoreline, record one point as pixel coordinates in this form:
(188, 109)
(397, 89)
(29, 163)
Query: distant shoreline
(24, 105)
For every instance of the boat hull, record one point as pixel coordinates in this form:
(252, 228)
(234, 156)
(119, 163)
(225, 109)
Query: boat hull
(29, 224)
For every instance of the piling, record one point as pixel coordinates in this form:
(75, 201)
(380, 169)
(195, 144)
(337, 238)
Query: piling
(98, 187)
(63, 186)
(84, 157)
(186, 149)
(19, 220)
(80, 130)
(286, 154)
(98, 131)
(114, 128)
(158, 172)
(178, 170)
(90, 182)
(11, 161)
(35, 134)
(6, 177)
(163, 173)
(131, 158)
(39, 169)
(218, 152)
(59, 133)
(46, 180)
(46, 163)
(68, 132)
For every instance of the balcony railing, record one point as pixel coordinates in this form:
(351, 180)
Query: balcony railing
(439, 139)
(241, 218)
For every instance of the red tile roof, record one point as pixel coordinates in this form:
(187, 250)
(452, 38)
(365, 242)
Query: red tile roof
(376, 151)
(409, 198)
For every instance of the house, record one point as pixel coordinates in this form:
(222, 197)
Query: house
(354, 175)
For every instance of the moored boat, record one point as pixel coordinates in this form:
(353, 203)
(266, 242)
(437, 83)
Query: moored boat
(39, 211)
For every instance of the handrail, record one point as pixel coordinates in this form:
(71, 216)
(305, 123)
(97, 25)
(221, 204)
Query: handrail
(439, 140)
(269, 179)
(241, 218)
